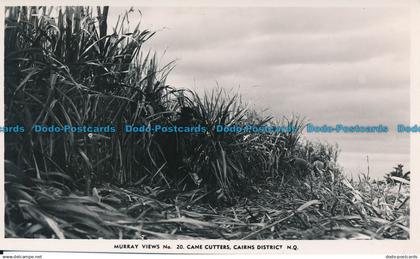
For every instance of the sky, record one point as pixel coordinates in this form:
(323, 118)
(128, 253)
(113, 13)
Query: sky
(330, 65)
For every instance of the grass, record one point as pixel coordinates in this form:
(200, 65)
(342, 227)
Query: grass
(335, 210)
(63, 68)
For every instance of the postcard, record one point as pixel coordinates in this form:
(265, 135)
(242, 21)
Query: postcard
(210, 127)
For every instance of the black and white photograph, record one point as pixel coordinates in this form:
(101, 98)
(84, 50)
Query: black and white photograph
(204, 122)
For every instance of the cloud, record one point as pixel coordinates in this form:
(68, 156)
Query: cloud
(332, 65)
(212, 26)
